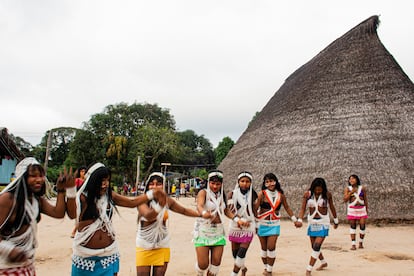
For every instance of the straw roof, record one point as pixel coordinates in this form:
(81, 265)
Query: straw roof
(349, 110)
(8, 147)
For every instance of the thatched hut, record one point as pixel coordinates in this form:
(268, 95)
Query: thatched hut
(349, 110)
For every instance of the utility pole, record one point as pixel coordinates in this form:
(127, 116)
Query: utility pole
(137, 180)
(165, 175)
(48, 146)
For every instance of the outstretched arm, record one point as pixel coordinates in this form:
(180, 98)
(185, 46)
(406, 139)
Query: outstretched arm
(132, 202)
(178, 208)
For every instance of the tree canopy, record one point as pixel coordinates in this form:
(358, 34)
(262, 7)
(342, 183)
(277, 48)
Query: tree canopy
(121, 134)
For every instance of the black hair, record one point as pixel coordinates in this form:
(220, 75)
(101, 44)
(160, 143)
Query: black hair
(356, 177)
(79, 169)
(93, 188)
(216, 177)
(19, 189)
(245, 175)
(319, 182)
(271, 176)
(157, 177)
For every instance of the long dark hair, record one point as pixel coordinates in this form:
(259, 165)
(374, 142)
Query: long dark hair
(93, 188)
(271, 176)
(319, 182)
(19, 191)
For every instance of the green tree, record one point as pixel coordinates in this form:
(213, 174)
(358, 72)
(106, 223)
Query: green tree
(85, 149)
(223, 149)
(153, 142)
(194, 150)
(61, 139)
(24, 146)
(110, 136)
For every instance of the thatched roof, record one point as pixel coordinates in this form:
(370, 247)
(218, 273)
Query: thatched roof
(8, 147)
(349, 110)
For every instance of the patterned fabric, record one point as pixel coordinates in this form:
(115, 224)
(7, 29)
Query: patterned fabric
(357, 212)
(318, 230)
(209, 234)
(28, 270)
(241, 236)
(100, 266)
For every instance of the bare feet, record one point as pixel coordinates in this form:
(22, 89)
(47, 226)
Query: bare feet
(361, 245)
(308, 273)
(353, 247)
(265, 273)
(243, 272)
(322, 266)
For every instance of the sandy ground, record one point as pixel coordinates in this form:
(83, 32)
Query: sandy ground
(389, 250)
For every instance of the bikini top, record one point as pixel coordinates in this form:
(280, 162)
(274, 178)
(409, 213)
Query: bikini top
(316, 203)
(357, 196)
(274, 202)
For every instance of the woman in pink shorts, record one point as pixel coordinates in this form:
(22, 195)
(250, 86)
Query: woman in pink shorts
(357, 212)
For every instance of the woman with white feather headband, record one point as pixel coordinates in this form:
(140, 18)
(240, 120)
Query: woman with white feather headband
(21, 203)
(95, 249)
(243, 203)
(209, 236)
(152, 240)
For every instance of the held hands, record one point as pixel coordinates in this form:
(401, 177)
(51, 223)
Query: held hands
(298, 224)
(243, 223)
(206, 214)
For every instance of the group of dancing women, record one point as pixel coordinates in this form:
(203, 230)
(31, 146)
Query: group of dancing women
(93, 203)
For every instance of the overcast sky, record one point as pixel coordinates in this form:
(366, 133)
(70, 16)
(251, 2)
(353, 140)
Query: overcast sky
(213, 64)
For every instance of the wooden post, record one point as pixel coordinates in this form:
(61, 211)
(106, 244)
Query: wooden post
(48, 146)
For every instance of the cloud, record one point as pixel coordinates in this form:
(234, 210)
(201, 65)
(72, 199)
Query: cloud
(214, 64)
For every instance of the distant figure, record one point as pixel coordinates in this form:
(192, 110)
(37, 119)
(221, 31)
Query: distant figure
(319, 201)
(12, 177)
(182, 189)
(357, 212)
(80, 178)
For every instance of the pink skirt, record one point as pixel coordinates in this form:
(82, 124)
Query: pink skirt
(241, 236)
(356, 212)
